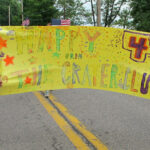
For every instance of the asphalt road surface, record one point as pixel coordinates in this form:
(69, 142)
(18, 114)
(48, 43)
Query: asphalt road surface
(76, 119)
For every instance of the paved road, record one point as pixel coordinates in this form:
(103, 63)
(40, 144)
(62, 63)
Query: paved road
(121, 122)
(26, 125)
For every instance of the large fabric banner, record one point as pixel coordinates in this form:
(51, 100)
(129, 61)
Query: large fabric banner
(62, 57)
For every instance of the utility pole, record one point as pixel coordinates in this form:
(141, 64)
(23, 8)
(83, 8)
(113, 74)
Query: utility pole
(98, 12)
(9, 15)
(22, 10)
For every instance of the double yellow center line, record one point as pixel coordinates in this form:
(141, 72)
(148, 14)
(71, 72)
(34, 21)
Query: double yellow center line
(77, 133)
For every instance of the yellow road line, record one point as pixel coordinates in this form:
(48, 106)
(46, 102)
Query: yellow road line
(72, 135)
(92, 138)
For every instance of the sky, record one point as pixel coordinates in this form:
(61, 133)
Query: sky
(87, 5)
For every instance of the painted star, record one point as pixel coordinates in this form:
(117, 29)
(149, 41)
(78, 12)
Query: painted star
(28, 80)
(3, 43)
(9, 60)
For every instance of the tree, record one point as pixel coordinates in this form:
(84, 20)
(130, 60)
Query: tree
(93, 12)
(124, 20)
(74, 10)
(141, 14)
(111, 9)
(39, 12)
(15, 12)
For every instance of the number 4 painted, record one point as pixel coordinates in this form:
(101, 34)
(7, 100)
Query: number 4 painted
(140, 46)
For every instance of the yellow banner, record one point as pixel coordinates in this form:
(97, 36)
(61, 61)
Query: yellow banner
(43, 58)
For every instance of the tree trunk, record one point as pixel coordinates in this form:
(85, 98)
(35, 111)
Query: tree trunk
(98, 13)
(93, 13)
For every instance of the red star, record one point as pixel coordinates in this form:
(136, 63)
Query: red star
(28, 80)
(9, 60)
(3, 43)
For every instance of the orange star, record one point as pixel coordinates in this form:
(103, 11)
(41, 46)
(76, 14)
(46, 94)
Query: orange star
(3, 43)
(9, 60)
(28, 80)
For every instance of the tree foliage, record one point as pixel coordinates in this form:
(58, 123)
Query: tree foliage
(74, 10)
(39, 12)
(111, 10)
(141, 14)
(15, 12)
(124, 20)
